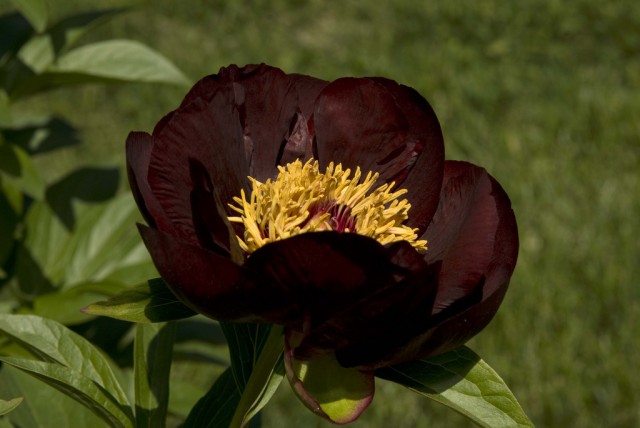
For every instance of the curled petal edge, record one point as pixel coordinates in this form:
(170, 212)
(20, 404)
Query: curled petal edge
(465, 316)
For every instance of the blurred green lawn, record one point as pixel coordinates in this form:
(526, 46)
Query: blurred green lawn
(543, 93)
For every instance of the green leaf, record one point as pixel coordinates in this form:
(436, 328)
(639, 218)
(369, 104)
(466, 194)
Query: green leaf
(264, 380)
(6, 118)
(38, 252)
(86, 184)
(65, 306)
(153, 351)
(15, 30)
(200, 355)
(17, 167)
(36, 410)
(201, 339)
(134, 271)
(26, 73)
(12, 195)
(9, 220)
(245, 343)
(146, 303)
(180, 404)
(103, 242)
(41, 51)
(82, 389)
(38, 134)
(56, 344)
(66, 32)
(273, 377)
(35, 11)
(8, 405)
(216, 408)
(116, 60)
(224, 405)
(35, 56)
(461, 380)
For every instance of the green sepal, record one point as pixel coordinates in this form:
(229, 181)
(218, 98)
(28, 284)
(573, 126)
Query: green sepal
(336, 393)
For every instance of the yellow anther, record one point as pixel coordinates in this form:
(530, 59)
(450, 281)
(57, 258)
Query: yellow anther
(302, 199)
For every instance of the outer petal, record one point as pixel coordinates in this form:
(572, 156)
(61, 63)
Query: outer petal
(381, 126)
(382, 319)
(473, 230)
(353, 297)
(325, 272)
(138, 146)
(424, 179)
(212, 284)
(197, 164)
(475, 238)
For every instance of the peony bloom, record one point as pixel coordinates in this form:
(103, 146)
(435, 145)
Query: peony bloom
(328, 208)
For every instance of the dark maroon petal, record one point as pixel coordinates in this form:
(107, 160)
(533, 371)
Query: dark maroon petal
(381, 126)
(213, 230)
(424, 178)
(325, 272)
(204, 89)
(269, 112)
(308, 89)
(212, 284)
(138, 147)
(299, 140)
(208, 86)
(474, 236)
(197, 166)
(463, 231)
(382, 320)
(358, 123)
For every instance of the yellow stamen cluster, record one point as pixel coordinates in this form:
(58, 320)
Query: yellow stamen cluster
(302, 199)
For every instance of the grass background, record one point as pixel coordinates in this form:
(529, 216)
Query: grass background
(543, 93)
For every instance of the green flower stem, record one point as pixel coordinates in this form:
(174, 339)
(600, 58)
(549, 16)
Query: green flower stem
(263, 381)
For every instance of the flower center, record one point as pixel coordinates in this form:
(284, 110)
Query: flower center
(302, 199)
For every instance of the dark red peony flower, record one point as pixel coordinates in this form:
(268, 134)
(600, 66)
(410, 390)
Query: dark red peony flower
(328, 208)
